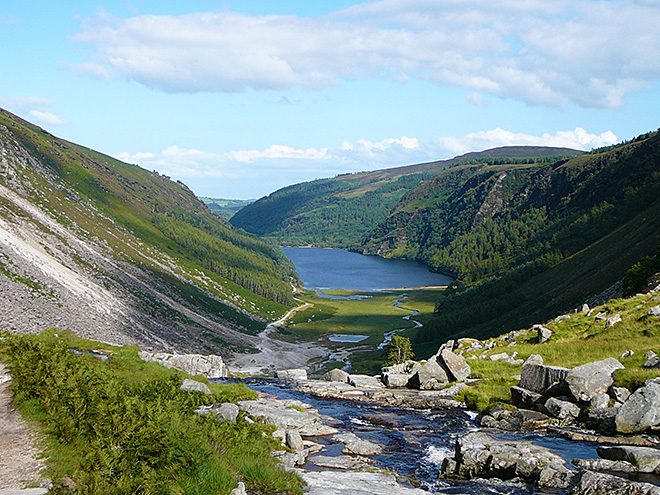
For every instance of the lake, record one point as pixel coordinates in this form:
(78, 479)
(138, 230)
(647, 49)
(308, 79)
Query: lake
(327, 269)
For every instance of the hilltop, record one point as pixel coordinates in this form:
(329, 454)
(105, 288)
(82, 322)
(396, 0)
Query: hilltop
(120, 254)
(342, 211)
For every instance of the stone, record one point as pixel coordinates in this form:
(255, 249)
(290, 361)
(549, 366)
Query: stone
(584, 308)
(355, 483)
(650, 355)
(562, 409)
(292, 374)
(395, 380)
(354, 445)
(534, 359)
(591, 483)
(346, 462)
(225, 411)
(640, 411)
(654, 311)
(561, 318)
(294, 440)
(652, 363)
(602, 316)
(211, 366)
(431, 376)
(521, 397)
(604, 465)
(280, 414)
(365, 381)
(239, 490)
(336, 375)
(619, 394)
(645, 459)
(538, 378)
(291, 459)
(627, 354)
(613, 320)
(543, 334)
(588, 380)
(600, 401)
(456, 367)
(193, 386)
(499, 357)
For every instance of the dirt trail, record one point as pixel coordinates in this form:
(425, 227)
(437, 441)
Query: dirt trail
(19, 467)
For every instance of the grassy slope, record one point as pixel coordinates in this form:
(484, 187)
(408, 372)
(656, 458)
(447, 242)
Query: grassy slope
(115, 203)
(226, 208)
(577, 340)
(123, 426)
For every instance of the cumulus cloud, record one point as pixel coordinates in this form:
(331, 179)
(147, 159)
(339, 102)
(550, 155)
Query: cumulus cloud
(93, 70)
(253, 173)
(582, 51)
(31, 107)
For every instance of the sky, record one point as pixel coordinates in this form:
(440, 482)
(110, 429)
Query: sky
(240, 98)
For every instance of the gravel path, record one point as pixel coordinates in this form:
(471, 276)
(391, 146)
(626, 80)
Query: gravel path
(19, 467)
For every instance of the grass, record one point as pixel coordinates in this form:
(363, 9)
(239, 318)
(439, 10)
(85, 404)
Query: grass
(577, 340)
(124, 426)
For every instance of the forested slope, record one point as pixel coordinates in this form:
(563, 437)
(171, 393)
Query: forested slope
(83, 235)
(342, 211)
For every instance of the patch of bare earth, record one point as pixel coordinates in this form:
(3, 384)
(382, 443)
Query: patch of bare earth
(19, 465)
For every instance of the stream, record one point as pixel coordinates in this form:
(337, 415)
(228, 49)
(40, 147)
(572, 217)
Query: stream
(414, 441)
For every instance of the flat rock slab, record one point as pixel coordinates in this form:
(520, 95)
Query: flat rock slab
(285, 416)
(355, 483)
(342, 462)
(357, 446)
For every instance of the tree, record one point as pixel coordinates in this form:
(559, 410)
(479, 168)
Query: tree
(399, 350)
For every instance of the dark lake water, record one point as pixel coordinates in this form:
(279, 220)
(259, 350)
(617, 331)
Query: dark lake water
(327, 269)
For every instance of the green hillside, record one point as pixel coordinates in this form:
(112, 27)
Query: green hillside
(226, 208)
(342, 211)
(165, 253)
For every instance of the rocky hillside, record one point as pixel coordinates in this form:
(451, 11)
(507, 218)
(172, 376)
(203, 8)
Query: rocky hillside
(119, 254)
(342, 211)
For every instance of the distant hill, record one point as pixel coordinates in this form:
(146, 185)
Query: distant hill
(226, 208)
(342, 211)
(120, 254)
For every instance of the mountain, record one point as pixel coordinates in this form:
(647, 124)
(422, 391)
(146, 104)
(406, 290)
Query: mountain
(342, 211)
(120, 254)
(226, 208)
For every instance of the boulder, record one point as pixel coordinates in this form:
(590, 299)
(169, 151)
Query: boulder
(355, 483)
(604, 465)
(345, 462)
(456, 367)
(640, 411)
(211, 366)
(354, 445)
(292, 374)
(613, 320)
(539, 378)
(499, 357)
(365, 381)
(562, 409)
(645, 459)
(225, 411)
(521, 397)
(650, 355)
(395, 380)
(534, 359)
(590, 483)
(600, 401)
(652, 363)
(294, 440)
(589, 380)
(543, 334)
(239, 490)
(619, 394)
(431, 376)
(654, 311)
(336, 375)
(280, 414)
(193, 386)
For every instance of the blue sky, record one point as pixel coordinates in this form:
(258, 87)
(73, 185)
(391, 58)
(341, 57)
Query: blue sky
(240, 98)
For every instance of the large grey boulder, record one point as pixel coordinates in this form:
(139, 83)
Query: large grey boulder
(336, 375)
(479, 455)
(292, 374)
(395, 380)
(539, 378)
(431, 376)
(640, 411)
(193, 386)
(294, 440)
(613, 320)
(365, 381)
(542, 334)
(645, 459)
(654, 311)
(521, 397)
(211, 366)
(225, 412)
(589, 380)
(355, 445)
(354, 483)
(280, 413)
(456, 367)
(562, 409)
(590, 483)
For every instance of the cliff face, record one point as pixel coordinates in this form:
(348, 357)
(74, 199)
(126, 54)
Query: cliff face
(84, 246)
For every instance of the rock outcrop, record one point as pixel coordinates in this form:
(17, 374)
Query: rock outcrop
(211, 367)
(640, 411)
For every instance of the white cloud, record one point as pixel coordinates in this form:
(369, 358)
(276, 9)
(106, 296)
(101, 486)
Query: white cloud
(46, 118)
(93, 70)
(18, 103)
(588, 52)
(253, 173)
